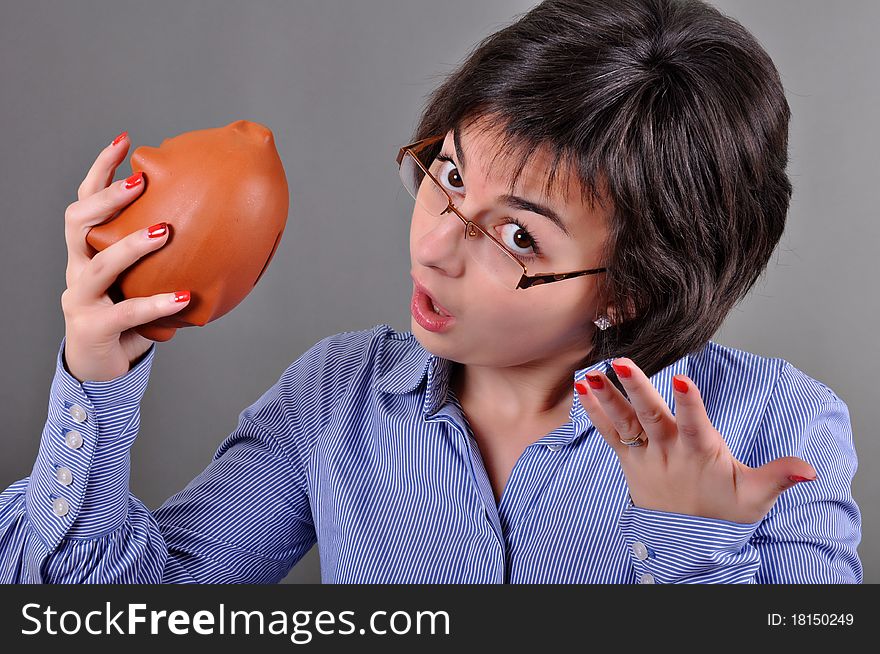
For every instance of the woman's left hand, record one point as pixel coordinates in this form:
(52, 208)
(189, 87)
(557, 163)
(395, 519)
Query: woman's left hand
(685, 466)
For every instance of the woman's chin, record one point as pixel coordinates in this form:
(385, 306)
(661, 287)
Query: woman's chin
(436, 344)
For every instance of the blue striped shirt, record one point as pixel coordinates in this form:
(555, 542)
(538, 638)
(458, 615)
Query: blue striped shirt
(361, 448)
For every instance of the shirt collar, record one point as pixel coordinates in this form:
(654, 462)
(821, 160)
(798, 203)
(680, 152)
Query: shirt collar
(402, 372)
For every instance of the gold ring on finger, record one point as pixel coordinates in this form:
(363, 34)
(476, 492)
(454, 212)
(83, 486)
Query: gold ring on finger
(636, 441)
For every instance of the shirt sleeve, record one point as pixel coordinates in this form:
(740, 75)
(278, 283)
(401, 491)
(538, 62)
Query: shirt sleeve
(811, 533)
(74, 520)
(676, 548)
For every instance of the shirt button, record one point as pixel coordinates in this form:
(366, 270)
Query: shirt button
(640, 551)
(78, 413)
(60, 507)
(647, 578)
(554, 448)
(73, 439)
(63, 476)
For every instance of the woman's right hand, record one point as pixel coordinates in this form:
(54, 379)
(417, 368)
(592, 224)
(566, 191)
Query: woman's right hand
(101, 343)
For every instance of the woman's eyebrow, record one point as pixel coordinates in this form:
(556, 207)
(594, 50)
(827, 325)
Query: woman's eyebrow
(513, 201)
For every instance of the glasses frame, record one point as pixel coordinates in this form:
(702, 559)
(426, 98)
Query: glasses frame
(525, 280)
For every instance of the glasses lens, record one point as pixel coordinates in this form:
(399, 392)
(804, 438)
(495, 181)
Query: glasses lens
(421, 187)
(482, 249)
(492, 258)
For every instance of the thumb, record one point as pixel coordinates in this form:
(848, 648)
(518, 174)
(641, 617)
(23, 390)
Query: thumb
(781, 474)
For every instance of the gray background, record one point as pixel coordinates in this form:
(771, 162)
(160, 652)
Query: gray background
(341, 83)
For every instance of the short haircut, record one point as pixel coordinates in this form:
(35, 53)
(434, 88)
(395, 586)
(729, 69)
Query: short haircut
(674, 118)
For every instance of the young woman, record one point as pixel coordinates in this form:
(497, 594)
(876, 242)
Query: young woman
(595, 188)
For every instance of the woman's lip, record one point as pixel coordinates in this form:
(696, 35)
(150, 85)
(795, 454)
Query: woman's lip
(431, 297)
(420, 307)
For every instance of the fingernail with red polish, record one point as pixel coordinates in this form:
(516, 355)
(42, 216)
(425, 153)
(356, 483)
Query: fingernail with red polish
(581, 388)
(134, 180)
(680, 385)
(181, 296)
(595, 381)
(157, 230)
(622, 370)
(799, 478)
(119, 138)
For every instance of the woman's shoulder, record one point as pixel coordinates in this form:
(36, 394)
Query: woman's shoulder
(759, 374)
(348, 355)
(366, 343)
(767, 407)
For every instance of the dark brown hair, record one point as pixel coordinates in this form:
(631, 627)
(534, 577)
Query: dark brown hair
(673, 117)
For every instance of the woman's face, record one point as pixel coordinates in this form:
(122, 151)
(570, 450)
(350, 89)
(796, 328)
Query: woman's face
(495, 324)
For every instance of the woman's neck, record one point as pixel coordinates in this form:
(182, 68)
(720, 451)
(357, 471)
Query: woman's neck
(516, 394)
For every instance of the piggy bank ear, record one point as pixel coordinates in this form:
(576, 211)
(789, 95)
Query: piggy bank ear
(224, 194)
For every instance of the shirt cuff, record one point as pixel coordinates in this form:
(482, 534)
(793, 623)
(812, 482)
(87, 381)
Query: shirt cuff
(78, 487)
(676, 548)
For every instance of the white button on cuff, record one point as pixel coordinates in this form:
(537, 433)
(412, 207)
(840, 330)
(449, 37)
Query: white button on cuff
(64, 476)
(554, 448)
(78, 413)
(60, 507)
(640, 551)
(73, 439)
(647, 578)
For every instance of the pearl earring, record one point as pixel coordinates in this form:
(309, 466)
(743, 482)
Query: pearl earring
(602, 322)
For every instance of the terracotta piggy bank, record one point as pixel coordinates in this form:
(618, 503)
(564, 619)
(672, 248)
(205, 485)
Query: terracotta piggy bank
(224, 195)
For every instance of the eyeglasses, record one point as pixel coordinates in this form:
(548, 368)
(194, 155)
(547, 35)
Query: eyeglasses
(488, 252)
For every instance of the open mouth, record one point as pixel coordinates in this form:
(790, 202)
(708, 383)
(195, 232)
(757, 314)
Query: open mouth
(427, 313)
(437, 309)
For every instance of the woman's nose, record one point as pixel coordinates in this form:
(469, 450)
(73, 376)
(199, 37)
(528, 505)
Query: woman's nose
(441, 246)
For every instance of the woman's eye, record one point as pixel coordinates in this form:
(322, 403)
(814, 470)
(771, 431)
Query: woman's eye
(448, 175)
(512, 234)
(516, 238)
